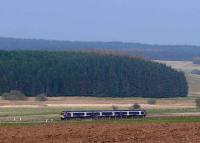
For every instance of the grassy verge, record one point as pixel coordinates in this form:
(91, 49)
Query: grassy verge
(49, 113)
(168, 111)
(111, 121)
(5, 112)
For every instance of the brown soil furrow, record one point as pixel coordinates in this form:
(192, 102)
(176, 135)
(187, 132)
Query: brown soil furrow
(103, 133)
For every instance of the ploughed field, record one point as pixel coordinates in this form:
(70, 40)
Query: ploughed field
(104, 132)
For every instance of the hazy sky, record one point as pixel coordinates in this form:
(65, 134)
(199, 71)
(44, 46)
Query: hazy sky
(146, 21)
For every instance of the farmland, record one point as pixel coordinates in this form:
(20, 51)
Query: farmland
(125, 132)
(36, 111)
(169, 118)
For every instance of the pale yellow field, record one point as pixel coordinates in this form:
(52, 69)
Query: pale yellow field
(89, 102)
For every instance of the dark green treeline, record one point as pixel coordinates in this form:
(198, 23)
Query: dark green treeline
(87, 74)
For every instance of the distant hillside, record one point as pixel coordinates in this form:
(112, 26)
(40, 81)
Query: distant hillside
(87, 74)
(159, 52)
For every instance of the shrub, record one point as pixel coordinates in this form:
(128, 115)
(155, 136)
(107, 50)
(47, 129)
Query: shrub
(151, 101)
(14, 95)
(41, 97)
(135, 106)
(114, 107)
(197, 102)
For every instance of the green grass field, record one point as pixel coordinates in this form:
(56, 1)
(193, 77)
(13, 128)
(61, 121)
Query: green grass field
(47, 113)
(108, 121)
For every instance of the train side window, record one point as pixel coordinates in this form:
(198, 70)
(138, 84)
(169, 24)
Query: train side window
(96, 114)
(78, 114)
(124, 113)
(107, 113)
(142, 112)
(133, 113)
(117, 113)
(89, 113)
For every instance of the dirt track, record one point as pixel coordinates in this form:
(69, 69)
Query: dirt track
(103, 133)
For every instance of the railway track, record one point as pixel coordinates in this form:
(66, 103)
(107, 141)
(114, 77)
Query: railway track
(186, 114)
(57, 120)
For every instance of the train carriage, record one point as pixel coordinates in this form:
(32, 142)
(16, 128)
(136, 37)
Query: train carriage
(66, 115)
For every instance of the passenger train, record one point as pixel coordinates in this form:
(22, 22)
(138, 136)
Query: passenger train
(97, 114)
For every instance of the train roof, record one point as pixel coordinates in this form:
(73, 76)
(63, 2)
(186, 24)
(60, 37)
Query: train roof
(100, 110)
